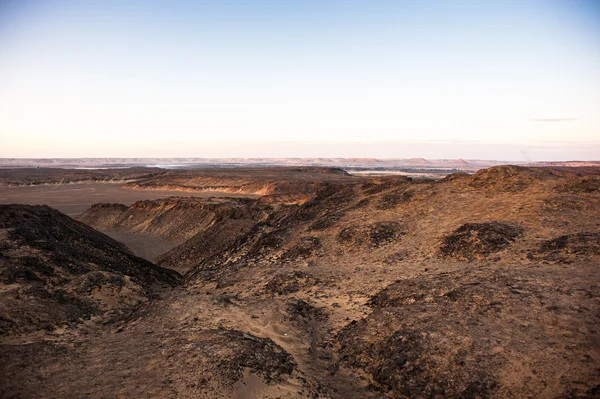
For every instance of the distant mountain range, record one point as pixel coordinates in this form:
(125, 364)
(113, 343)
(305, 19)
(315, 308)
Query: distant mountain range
(470, 164)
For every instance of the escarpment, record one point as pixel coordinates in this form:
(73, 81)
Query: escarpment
(294, 182)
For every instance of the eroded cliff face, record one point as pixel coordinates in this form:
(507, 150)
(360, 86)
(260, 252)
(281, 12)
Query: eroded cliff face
(177, 219)
(198, 228)
(482, 285)
(294, 183)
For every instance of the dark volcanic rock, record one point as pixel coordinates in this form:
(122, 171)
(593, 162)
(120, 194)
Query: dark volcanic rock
(395, 198)
(288, 283)
(19, 357)
(325, 208)
(568, 248)
(475, 333)
(324, 222)
(583, 185)
(478, 240)
(305, 248)
(301, 308)
(376, 186)
(456, 176)
(370, 236)
(233, 351)
(59, 271)
(508, 178)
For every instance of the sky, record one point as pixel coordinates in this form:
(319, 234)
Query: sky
(479, 79)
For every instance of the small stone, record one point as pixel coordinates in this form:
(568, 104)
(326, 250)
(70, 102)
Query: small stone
(401, 361)
(497, 349)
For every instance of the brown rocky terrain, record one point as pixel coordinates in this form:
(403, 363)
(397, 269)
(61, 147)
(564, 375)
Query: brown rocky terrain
(475, 286)
(480, 333)
(56, 272)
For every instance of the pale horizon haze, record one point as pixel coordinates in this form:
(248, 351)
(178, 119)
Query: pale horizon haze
(505, 80)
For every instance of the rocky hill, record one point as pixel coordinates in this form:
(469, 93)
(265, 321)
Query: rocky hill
(57, 272)
(475, 286)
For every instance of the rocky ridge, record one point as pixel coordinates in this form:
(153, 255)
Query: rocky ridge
(56, 271)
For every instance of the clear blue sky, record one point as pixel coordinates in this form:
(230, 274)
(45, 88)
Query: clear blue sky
(438, 79)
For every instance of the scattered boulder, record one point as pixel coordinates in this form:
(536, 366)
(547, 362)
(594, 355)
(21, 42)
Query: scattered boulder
(406, 364)
(232, 351)
(269, 241)
(305, 248)
(301, 308)
(288, 283)
(259, 242)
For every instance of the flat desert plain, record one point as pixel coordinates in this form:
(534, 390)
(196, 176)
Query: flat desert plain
(73, 199)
